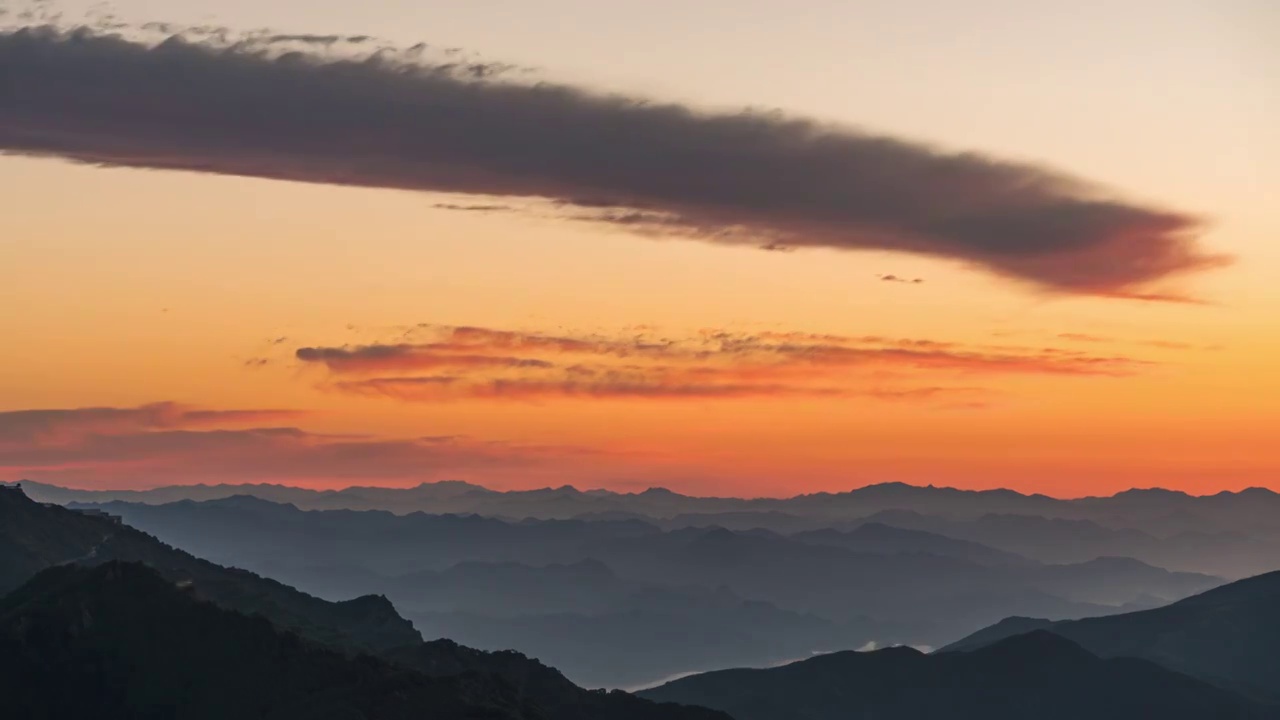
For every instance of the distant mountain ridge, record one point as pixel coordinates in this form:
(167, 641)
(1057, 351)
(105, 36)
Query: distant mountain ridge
(458, 496)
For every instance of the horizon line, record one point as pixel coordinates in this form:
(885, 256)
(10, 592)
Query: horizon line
(652, 489)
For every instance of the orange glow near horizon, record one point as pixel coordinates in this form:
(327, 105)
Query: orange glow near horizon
(179, 327)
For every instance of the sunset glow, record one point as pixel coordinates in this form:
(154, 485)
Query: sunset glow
(979, 286)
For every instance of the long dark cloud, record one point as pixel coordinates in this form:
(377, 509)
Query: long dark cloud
(289, 108)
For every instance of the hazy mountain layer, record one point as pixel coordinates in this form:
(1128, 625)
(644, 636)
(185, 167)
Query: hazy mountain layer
(683, 600)
(1228, 534)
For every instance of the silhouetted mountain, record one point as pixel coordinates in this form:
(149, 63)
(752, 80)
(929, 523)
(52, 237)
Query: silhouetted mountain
(34, 537)
(120, 641)
(542, 686)
(1227, 636)
(1006, 628)
(1037, 675)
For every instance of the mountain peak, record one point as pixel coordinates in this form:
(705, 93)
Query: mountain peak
(1041, 645)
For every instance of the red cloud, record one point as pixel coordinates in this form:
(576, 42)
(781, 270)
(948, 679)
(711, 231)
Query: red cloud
(134, 453)
(36, 426)
(711, 364)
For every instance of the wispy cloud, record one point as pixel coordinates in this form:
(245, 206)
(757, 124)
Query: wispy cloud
(443, 362)
(378, 358)
(156, 444)
(1160, 344)
(25, 427)
(615, 385)
(294, 107)
(898, 279)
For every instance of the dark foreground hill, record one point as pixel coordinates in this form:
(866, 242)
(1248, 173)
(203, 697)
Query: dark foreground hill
(35, 536)
(120, 641)
(64, 545)
(1037, 675)
(1228, 636)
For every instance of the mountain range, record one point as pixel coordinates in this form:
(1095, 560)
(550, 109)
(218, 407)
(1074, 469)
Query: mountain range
(1159, 511)
(102, 620)
(682, 600)
(1229, 534)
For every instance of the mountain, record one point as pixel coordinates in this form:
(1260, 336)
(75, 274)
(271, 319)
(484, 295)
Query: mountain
(881, 538)
(1227, 636)
(1006, 628)
(914, 598)
(663, 637)
(575, 616)
(542, 686)
(1229, 534)
(1226, 553)
(36, 538)
(120, 641)
(1254, 512)
(1036, 675)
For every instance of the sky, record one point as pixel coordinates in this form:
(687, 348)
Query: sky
(750, 248)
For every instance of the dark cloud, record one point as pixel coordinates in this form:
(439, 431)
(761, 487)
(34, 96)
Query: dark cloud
(897, 279)
(290, 108)
(473, 208)
(376, 358)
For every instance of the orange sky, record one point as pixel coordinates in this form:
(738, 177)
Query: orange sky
(525, 350)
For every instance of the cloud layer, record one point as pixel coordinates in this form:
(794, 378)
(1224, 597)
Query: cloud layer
(32, 427)
(439, 363)
(168, 443)
(289, 107)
